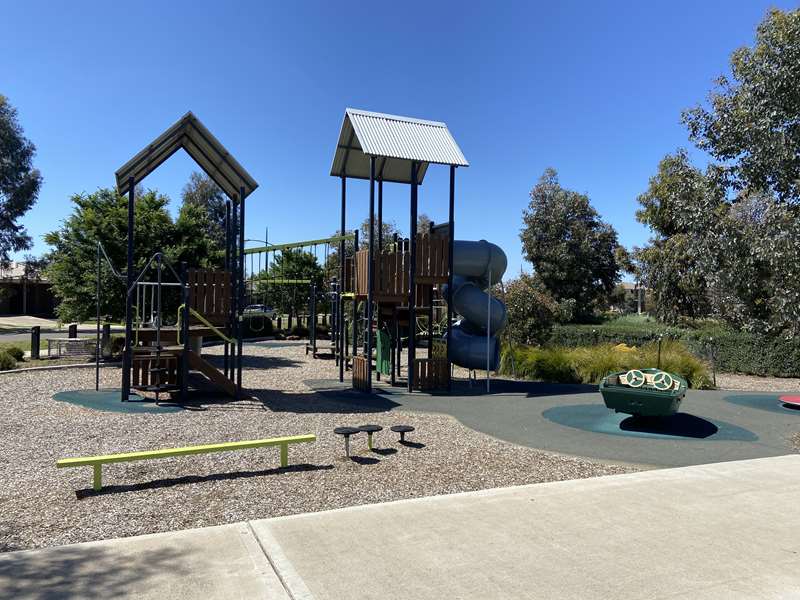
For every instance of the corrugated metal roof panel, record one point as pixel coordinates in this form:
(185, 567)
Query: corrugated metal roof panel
(206, 150)
(397, 142)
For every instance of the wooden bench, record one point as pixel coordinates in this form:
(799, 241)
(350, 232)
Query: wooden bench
(70, 346)
(97, 462)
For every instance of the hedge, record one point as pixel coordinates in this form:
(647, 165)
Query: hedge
(731, 351)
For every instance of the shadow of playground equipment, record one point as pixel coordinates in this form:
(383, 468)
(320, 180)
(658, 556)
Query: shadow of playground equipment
(530, 389)
(85, 572)
(188, 479)
(768, 402)
(255, 362)
(498, 387)
(338, 400)
(679, 424)
(597, 418)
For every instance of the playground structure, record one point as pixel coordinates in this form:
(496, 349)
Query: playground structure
(388, 295)
(258, 280)
(401, 284)
(158, 357)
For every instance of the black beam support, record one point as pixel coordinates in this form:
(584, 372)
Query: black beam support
(450, 245)
(241, 296)
(234, 261)
(227, 268)
(97, 345)
(340, 323)
(412, 279)
(184, 364)
(127, 355)
(370, 269)
(355, 302)
(380, 216)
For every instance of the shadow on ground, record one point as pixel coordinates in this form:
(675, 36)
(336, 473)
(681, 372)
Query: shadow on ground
(188, 479)
(597, 418)
(768, 402)
(84, 572)
(498, 387)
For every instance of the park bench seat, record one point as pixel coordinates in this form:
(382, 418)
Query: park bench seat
(98, 461)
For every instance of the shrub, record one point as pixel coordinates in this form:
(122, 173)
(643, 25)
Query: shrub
(256, 326)
(731, 350)
(15, 352)
(7, 362)
(676, 358)
(299, 331)
(117, 345)
(555, 365)
(531, 311)
(589, 364)
(593, 363)
(542, 364)
(323, 331)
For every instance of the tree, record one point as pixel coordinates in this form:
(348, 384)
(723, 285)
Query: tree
(751, 123)
(19, 181)
(750, 263)
(424, 223)
(679, 205)
(532, 311)
(571, 249)
(291, 298)
(389, 228)
(201, 191)
(194, 239)
(103, 216)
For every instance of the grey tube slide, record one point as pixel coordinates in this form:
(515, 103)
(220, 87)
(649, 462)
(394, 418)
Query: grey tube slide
(476, 267)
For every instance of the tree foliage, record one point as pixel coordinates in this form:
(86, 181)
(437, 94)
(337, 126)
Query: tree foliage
(680, 202)
(570, 247)
(727, 240)
(289, 265)
(389, 228)
(532, 311)
(103, 216)
(751, 122)
(19, 181)
(202, 192)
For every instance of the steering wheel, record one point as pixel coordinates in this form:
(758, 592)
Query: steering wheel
(662, 381)
(633, 378)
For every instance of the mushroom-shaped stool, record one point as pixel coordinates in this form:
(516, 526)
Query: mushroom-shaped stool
(346, 432)
(402, 430)
(369, 430)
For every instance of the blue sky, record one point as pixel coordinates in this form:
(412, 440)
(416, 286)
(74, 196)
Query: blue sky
(593, 89)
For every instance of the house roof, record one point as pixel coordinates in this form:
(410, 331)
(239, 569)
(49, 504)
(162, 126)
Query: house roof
(396, 142)
(206, 150)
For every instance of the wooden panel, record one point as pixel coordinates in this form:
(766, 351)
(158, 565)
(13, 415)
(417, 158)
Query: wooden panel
(360, 373)
(142, 364)
(432, 259)
(431, 373)
(210, 294)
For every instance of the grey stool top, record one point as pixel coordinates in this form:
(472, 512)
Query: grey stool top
(346, 431)
(402, 428)
(370, 428)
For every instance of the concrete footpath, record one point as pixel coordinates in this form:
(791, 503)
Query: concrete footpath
(725, 530)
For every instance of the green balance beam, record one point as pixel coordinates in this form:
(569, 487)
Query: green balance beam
(97, 462)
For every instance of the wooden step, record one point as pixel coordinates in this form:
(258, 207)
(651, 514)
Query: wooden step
(217, 377)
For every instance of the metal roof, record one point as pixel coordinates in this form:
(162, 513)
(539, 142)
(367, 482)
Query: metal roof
(191, 135)
(395, 142)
